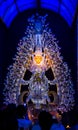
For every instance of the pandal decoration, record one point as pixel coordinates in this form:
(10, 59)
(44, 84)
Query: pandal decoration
(37, 52)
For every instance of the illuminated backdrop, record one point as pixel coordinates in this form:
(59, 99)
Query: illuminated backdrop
(37, 52)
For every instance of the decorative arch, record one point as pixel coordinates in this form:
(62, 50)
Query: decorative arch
(10, 9)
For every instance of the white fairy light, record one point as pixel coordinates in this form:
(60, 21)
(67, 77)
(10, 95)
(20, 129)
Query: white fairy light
(38, 61)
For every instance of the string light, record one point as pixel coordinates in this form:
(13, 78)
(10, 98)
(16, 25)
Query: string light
(39, 39)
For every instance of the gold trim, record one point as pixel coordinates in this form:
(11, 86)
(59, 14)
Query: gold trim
(20, 100)
(56, 99)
